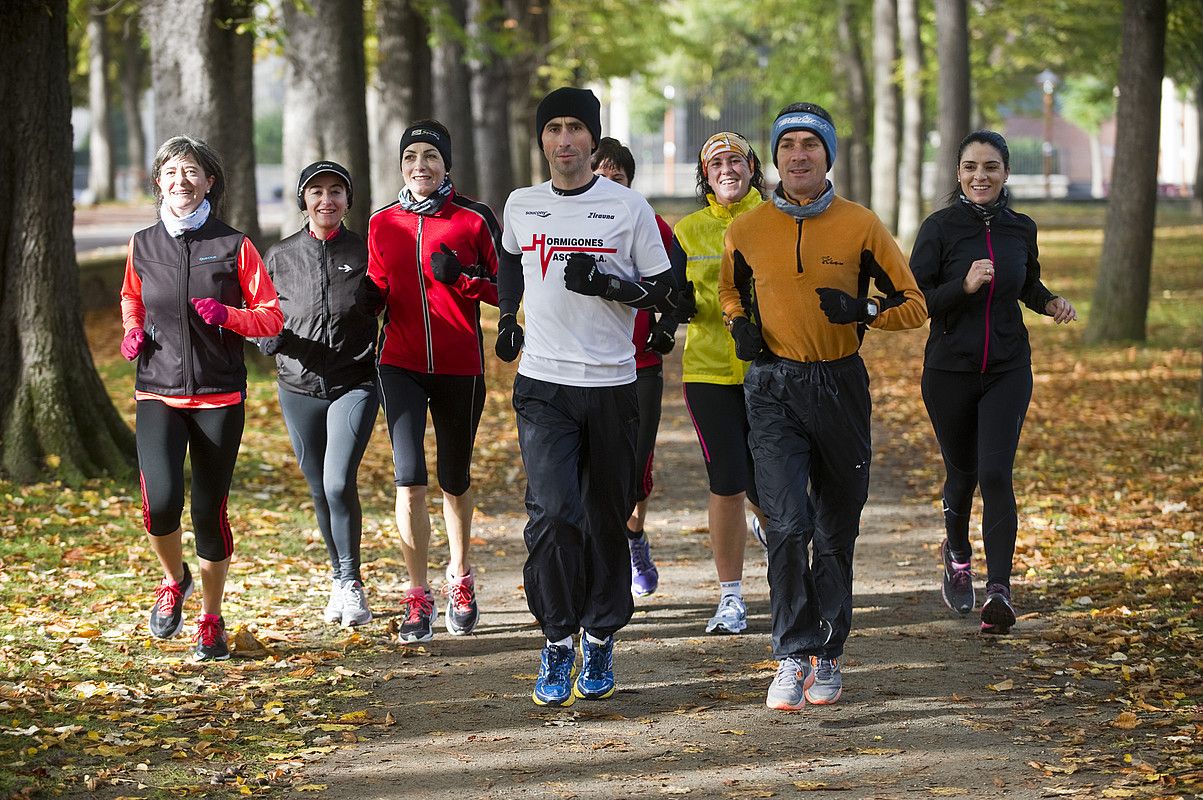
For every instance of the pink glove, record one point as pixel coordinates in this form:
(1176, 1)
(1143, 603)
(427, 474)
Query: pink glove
(131, 345)
(210, 310)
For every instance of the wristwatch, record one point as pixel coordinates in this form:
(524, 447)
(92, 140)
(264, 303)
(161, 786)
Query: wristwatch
(871, 309)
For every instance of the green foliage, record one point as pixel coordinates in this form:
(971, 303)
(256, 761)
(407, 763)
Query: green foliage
(1087, 101)
(269, 137)
(593, 40)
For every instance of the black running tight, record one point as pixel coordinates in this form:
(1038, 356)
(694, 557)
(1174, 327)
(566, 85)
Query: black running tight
(977, 419)
(165, 435)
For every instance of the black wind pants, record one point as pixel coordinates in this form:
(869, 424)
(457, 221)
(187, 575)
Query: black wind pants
(578, 446)
(809, 429)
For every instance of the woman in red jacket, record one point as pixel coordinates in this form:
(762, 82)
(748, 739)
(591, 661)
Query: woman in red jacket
(193, 288)
(433, 256)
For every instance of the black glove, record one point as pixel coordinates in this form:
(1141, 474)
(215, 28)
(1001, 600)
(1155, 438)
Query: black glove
(687, 304)
(660, 339)
(509, 338)
(270, 345)
(748, 341)
(444, 265)
(582, 276)
(368, 297)
(842, 308)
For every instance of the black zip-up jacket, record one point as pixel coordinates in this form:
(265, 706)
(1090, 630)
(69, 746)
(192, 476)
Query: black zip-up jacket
(185, 355)
(983, 331)
(329, 342)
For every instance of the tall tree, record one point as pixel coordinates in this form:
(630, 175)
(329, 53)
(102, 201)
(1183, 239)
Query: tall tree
(100, 133)
(56, 420)
(910, 170)
(400, 89)
(133, 84)
(952, 56)
(325, 111)
(490, 101)
(203, 88)
(532, 20)
(859, 185)
(885, 112)
(1121, 296)
(452, 93)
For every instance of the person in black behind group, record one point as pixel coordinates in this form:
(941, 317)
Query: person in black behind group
(325, 358)
(975, 261)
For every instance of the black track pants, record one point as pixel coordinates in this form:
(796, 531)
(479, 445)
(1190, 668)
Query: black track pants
(212, 435)
(649, 387)
(329, 438)
(810, 426)
(977, 419)
(578, 446)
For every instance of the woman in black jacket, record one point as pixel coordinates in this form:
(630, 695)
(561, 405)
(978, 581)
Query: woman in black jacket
(325, 358)
(975, 261)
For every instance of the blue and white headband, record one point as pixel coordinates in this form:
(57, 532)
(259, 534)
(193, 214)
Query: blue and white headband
(805, 121)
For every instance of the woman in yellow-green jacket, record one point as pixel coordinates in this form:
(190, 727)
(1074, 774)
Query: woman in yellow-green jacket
(732, 183)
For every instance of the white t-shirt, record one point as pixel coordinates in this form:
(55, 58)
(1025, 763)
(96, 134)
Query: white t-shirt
(573, 339)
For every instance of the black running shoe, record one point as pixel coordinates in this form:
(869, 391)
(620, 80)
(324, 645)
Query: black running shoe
(167, 614)
(417, 616)
(998, 615)
(958, 583)
(462, 613)
(211, 644)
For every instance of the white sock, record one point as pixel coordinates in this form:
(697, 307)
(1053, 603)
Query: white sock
(565, 642)
(593, 639)
(730, 587)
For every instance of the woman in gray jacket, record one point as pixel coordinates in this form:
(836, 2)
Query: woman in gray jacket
(325, 358)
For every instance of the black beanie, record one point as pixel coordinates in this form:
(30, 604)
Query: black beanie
(567, 101)
(317, 168)
(432, 132)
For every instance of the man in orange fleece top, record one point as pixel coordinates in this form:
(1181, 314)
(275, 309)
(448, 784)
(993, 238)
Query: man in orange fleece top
(794, 287)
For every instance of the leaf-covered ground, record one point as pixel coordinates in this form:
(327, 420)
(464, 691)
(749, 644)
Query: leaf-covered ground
(1111, 502)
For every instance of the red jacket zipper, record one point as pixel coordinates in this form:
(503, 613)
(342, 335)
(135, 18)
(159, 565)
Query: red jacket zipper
(989, 297)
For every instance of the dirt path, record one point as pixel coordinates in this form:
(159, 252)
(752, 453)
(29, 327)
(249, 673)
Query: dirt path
(689, 718)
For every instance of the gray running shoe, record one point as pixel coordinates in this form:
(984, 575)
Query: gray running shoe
(957, 588)
(462, 612)
(167, 614)
(731, 616)
(334, 606)
(788, 690)
(417, 616)
(826, 683)
(355, 605)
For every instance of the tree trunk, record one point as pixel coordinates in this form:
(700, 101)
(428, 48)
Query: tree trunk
(910, 173)
(400, 92)
(952, 55)
(56, 420)
(452, 93)
(133, 64)
(885, 112)
(1198, 203)
(325, 111)
(490, 102)
(1121, 296)
(527, 88)
(202, 87)
(857, 160)
(1096, 165)
(100, 134)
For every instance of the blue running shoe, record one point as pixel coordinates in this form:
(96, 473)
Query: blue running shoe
(553, 687)
(596, 681)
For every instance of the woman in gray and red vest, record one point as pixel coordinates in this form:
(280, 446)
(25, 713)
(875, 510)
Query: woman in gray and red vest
(193, 288)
